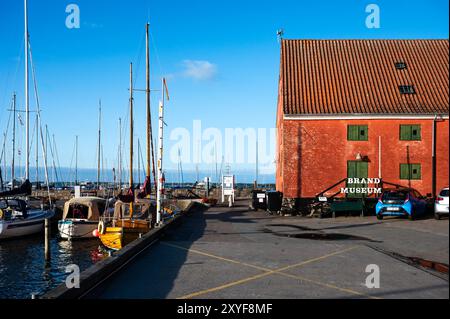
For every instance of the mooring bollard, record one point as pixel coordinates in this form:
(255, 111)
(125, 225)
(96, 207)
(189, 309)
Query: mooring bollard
(47, 239)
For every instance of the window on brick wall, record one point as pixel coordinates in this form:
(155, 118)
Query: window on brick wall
(410, 133)
(410, 171)
(357, 133)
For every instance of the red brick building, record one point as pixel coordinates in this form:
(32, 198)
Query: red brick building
(362, 108)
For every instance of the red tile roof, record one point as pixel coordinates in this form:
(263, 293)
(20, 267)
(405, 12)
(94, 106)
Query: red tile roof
(359, 76)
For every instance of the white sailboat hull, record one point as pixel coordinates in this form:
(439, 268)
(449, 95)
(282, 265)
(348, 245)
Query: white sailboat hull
(20, 227)
(77, 228)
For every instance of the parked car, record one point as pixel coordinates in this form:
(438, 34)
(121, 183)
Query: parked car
(441, 204)
(401, 202)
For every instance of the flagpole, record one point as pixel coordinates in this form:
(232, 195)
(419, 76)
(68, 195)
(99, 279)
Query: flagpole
(160, 185)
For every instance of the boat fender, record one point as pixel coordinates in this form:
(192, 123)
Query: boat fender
(101, 227)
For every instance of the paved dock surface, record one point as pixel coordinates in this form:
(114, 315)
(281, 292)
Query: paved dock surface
(237, 253)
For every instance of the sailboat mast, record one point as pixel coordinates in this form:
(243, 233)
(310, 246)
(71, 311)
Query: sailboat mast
(131, 126)
(37, 151)
(120, 154)
(46, 150)
(99, 142)
(139, 162)
(13, 142)
(4, 160)
(103, 165)
(147, 91)
(46, 145)
(150, 147)
(54, 157)
(256, 166)
(76, 160)
(27, 99)
(53, 150)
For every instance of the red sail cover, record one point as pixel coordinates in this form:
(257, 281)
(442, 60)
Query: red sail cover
(128, 197)
(146, 188)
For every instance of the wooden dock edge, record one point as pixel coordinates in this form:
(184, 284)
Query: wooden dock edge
(103, 269)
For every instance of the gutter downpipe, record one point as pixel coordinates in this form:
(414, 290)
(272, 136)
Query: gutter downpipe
(433, 157)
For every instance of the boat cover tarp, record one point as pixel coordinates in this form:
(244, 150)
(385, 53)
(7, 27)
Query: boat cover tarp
(22, 190)
(141, 209)
(92, 203)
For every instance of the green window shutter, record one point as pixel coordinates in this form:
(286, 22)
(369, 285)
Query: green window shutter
(351, 169)
(356, 169)
(405, 132)
(352, 132)
(351, 172)
(416, 171)
(362, 169)
(357, 133)
(416, 133)
(363, 132)
(404, 171)
(410, 133)
(411, 171)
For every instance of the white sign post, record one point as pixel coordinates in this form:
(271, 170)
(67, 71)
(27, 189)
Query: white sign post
(77, 191)
(228, 188)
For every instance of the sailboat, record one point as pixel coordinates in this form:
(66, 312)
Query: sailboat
(126, 225)
(17, 218)
(81, 216)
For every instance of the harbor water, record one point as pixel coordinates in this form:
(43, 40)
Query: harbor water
(24, 271)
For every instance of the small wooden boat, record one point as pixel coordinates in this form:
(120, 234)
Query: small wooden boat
(81, 217)
(125, 227)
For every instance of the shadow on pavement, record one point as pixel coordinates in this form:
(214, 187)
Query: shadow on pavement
(151, 275)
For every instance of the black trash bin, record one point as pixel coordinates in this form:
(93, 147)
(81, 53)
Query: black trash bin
(259, 199)
(274, 201)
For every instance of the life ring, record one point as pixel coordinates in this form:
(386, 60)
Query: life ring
(101, 227)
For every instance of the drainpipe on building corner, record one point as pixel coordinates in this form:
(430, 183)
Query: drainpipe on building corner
(433, 158)
(379, 163)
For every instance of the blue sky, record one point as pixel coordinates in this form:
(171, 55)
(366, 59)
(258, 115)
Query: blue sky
(221, 59)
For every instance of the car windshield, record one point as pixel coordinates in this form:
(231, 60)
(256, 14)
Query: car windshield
(395, 195)
(444, 193)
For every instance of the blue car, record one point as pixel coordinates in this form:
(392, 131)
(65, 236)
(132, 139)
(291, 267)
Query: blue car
(401, 202)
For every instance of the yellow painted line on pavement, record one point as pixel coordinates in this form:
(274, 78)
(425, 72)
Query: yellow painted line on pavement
(347, 290)
(267, 272)
(215, 256)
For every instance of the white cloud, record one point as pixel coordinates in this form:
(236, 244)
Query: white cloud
(199, 70)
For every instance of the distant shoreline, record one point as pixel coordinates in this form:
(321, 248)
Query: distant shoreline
(67, 175)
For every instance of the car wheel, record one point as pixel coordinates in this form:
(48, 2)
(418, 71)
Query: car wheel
(437, 216)
(379, 217)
